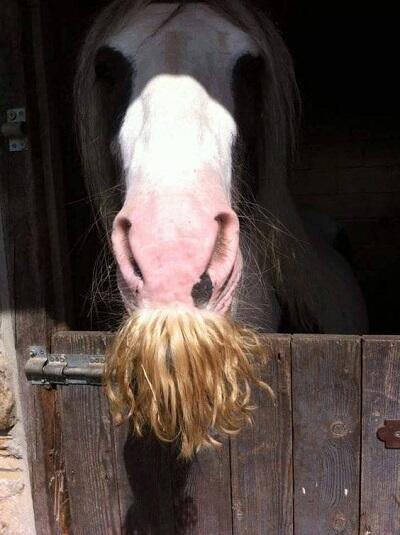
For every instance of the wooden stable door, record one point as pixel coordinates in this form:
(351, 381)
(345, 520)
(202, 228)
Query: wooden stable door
(311, 464)
(35, 280)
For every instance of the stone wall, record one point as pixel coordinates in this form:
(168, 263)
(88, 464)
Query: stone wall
(16, 509)
(16, 512)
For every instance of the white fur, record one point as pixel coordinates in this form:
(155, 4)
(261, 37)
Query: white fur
(180, 121)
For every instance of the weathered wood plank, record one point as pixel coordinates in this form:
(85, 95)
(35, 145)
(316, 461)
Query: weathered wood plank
(202, 493)
(137, 470)
(51, 168)
(261, 456)
(22, 198)
(326, 434)
(161, 495)
(380, 468)
(144, 484)
(88, 446)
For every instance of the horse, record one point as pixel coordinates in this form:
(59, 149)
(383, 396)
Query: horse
(187, 116)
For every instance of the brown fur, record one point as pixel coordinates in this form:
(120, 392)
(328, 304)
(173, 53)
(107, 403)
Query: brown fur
(183, 374)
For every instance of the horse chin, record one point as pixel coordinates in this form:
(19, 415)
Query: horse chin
(184, 374)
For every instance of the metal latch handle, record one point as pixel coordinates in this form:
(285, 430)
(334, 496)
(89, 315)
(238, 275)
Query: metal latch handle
(63, 369)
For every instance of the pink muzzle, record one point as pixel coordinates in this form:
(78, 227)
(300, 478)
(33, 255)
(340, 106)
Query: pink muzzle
(177, 250)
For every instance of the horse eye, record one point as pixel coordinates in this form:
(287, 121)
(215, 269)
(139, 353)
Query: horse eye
(108, 65)
(104, 72)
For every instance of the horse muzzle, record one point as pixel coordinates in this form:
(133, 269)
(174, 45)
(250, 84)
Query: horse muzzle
(177, 250)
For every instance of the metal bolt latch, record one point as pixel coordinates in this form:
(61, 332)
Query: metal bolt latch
(45, 369)
(390, 434)
(15, 129)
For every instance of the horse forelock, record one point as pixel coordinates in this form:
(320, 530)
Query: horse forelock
(285, 247)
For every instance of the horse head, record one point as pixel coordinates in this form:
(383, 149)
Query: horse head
(179, 106)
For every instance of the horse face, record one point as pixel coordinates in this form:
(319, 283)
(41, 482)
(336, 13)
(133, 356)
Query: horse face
(169, 95)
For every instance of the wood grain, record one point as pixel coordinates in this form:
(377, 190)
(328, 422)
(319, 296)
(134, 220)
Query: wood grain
(202, 493)
(59, 273)
(326, 434)
(22, 199)
(119, 484)
(144, 484)
(122, 482)
(89, 446)
(380, 468)
(261, 456)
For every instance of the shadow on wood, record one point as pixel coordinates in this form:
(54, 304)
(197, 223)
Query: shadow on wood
(169, 496)
(156, 507)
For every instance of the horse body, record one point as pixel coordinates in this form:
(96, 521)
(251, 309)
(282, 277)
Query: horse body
(191, 108)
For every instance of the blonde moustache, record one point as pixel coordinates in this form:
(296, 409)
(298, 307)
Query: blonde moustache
(185, 375)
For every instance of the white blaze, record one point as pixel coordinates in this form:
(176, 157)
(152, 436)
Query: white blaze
(173, 129)
(180, 122)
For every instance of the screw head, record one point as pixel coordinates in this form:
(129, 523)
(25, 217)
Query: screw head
(12, 115)
(397, 434)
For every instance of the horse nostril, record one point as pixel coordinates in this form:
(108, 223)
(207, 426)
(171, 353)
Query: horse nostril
(136, 269)
(202, 291)
(124, 224)
(122, 229)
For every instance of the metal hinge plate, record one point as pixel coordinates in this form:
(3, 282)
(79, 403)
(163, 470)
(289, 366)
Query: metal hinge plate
(15, 129)
(47, 369)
